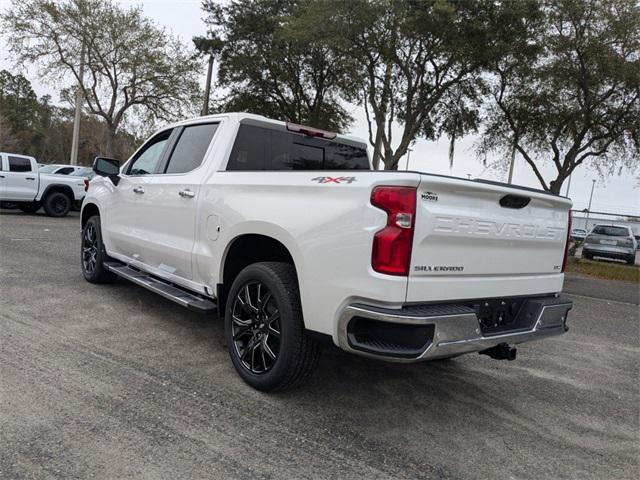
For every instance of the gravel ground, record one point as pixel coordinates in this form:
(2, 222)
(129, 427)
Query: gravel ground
(115, 382)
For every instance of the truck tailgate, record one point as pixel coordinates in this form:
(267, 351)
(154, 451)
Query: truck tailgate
(475, 239)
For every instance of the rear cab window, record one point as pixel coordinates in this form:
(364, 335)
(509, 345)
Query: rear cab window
(259, 148)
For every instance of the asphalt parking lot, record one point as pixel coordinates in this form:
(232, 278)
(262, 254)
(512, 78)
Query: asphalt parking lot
(115, 382)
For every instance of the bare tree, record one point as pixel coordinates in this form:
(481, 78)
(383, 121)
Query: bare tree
(571, 93)
(132, 67)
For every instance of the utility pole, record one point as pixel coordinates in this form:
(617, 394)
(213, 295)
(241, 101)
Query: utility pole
(513, 161)
(207, 90)
(586, 224)
(568, 186)
(75, 142)
(409, 150)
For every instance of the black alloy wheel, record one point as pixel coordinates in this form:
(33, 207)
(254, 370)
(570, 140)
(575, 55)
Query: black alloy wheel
(89, 249)
(93, 254)
(57, 204)
(60, 205)
(255, 327)
(264, 328)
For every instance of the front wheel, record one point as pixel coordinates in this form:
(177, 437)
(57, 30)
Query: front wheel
(264, 329)
(631, 260)
(93, 254)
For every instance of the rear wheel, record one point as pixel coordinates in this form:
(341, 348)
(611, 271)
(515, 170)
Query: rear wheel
(631, 260)
(264, 328)
(31, 207)
(57, 204)
(93, 254)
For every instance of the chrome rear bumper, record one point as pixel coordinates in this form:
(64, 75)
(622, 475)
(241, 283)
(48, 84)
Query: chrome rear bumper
(442, 330)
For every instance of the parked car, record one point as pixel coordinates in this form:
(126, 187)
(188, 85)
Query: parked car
(58, 169)
(86, 172)
(578, 234)
(293, 239)
(637, 237)
(610, 241)
(23, 185)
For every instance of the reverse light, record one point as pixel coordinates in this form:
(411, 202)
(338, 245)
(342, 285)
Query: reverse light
(566, 243)
(310, 131)
(392, 245)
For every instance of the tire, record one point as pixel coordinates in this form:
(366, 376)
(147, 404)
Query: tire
(264, 328)
(631, 260)
(31, 207)
(93, 254)
(57, 204)
(588, 256)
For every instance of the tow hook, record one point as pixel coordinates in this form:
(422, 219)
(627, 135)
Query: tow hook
(501, 352)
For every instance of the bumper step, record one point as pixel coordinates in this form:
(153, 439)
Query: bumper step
(161, 287)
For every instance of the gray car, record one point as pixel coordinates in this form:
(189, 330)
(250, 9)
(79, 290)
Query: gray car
(610, 241)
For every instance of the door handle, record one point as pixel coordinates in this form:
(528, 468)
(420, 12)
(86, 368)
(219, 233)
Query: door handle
(186, 193)
(1, 176)
(30, 178)
(138, 190)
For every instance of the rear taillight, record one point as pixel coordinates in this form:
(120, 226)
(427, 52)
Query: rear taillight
(86, 185)
(392, 245)
(566, 243)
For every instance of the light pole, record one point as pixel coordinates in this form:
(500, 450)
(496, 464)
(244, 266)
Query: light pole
(568, 186)
(586, 224)
(75, 140)
(409, 150)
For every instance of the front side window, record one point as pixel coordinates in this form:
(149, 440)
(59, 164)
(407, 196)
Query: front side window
(19, 164)
(146, 160)
(190, 148)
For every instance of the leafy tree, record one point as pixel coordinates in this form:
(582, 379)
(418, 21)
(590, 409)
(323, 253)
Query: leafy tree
(570, 93)
(33, 126)
(267, 67)
(419, 62)
(18, 101)
(134, 68)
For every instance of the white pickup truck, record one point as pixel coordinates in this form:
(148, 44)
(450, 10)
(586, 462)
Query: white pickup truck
(22, 185)
(287, 232)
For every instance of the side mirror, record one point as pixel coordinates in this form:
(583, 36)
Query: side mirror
(107, 167)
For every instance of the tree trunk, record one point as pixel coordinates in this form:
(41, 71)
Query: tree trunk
(377, 155)
(111, 137)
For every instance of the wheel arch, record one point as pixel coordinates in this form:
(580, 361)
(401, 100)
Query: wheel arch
(244, 250)
(88, 210)
(66, 189)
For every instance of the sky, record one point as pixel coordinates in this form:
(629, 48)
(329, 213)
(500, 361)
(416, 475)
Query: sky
(618, 194)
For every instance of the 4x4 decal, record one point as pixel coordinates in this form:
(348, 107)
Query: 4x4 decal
(334, 179)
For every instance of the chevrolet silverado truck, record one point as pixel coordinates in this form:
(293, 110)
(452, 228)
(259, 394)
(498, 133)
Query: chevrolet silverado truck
(24, 187)
(288, 234)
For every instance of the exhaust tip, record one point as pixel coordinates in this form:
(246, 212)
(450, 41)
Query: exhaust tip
(501, 351)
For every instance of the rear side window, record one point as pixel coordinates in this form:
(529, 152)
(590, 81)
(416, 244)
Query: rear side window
(65, 171)
(19, 164)
(259, 148)
(190, 148)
